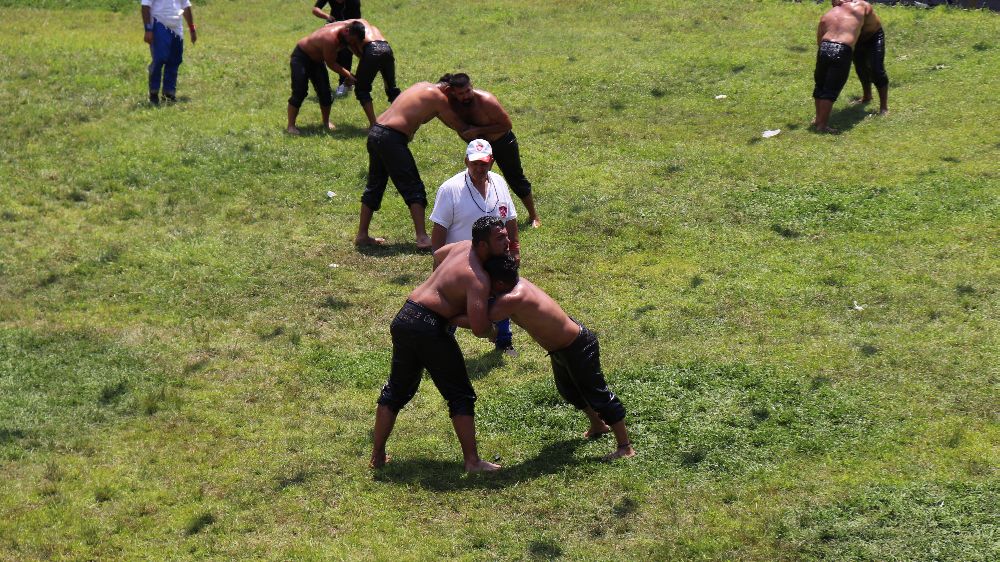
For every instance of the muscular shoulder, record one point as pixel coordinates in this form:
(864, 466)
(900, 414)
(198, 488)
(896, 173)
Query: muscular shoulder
(487, 98)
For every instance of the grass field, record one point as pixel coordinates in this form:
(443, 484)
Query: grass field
(184, 374)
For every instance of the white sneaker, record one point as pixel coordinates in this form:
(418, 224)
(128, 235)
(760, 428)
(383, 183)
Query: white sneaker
(341, 91)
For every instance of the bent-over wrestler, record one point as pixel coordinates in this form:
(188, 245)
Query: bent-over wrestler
(573, 349)
(310, 54)
(838, 31)
(489, 120)
(374, 56)
(390, 157)
(869, 60)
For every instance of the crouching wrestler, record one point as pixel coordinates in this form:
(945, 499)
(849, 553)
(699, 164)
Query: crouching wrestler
(573, 349)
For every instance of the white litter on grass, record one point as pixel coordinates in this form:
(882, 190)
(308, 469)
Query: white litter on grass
(857, 306)
(331, 194)
(333, 265)
(721, 97)
(769, 134)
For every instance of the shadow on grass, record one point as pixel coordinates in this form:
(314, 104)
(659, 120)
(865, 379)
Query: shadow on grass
(482, 365)
(846, 118)
(446, 476)
(315, 129)
(388, 250)
(349, 132)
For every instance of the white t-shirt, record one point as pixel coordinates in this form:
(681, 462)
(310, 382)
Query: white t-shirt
(169, 12)
(458, 204)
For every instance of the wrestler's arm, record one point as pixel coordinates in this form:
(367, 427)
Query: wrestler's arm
(319, 13)
(498, 119)
(504, 306)
(515, 241)
(461, 321)
(448, 116)
(330, 57)
(475, 307)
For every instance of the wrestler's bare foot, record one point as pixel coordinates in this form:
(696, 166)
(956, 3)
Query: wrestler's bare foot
(331, 127)
(535, 222)
(883, 112)
(859, 101)
(622, 452)
(379, 460)
(293, 130)
(482, 466)
(424, 242)
(368, 241)
(596, 431)
(827, 130)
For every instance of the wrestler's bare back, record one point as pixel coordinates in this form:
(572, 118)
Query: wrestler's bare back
(842, 24)
(532, 309)
(323, 43)
(872, 21)
(417, 105)
(372, 33)
(446, 291)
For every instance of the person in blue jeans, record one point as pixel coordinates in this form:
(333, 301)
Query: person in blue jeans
(163, 24)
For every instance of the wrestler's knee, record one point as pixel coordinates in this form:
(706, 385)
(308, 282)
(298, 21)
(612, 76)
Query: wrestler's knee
(371, 199)
(296, 101)
(393, 94)
(363, 96)
(463, 406)
(521, 188)
(325, 97)
(412, 196)
(392, 399)
(612, 412)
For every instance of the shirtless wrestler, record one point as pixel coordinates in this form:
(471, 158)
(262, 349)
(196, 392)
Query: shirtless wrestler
(573, 349)
(838, 31)
(421, 339)
(390, 157)
(869, 61)
(374, 56)
(310, 54)
(490, 121)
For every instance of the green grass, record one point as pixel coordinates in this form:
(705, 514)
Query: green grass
(184, 375)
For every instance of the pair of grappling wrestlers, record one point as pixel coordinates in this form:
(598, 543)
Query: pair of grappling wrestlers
(457, 293)
(849, 32)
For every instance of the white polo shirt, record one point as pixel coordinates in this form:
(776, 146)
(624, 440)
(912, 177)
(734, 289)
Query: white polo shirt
(458, 204)
(169, 12)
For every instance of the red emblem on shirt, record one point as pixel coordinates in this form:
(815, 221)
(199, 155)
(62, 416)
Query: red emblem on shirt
(503, 211)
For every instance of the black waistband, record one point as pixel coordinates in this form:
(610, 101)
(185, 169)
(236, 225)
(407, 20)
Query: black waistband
(391, 130)
(417, 311)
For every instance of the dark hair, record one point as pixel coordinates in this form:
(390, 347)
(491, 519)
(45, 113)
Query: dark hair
(482, 228)
(457, 80)
(357, 30)
(502, 268)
